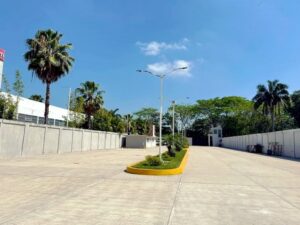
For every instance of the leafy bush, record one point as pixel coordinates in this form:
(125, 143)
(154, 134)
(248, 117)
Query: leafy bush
(258, 148)
(170, 144)
(166, 156)
(171, 151)
(185, 142)
(177, 143)
(153, 160)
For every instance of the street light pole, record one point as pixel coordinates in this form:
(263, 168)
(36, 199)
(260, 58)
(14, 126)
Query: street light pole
(69, 103)
(161, 76)
(160, 115)
(173, 121)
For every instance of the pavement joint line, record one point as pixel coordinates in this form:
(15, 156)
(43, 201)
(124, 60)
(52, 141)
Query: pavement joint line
(267, 189)
(174, 202)
(254, 207)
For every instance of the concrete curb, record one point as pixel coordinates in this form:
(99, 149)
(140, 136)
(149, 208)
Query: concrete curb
(159, 172)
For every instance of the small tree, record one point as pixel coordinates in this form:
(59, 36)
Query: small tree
(7, 106)
(92, 99)
(18, 88)
(147, 117)
(185, 115)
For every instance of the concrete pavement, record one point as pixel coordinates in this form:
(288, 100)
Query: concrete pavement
(219, 186)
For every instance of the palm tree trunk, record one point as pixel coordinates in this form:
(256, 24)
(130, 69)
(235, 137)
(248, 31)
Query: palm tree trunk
(47, 100)
(273, 120)
(89, 122)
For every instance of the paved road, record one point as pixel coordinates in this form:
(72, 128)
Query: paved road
(219, 186)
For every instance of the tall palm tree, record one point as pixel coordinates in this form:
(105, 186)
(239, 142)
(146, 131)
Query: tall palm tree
(48, 59)
(271, 98)
(93, 99)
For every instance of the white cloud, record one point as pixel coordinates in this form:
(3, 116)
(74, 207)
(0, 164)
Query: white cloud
(185, 40)
(162, 68)
(155, 48)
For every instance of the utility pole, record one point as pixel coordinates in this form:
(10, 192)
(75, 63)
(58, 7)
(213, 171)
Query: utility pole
(173, 122)
(69, 103)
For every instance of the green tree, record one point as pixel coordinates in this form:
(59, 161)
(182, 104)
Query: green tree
(18, 88)
(7, 105)
(233, 113)
(185, 115)
(272, 98)
(48, 59)
(18, 85)
(37, 98)
(145, 118)
(6, 85)
(102, 120)
(92, 99)
(294, 110)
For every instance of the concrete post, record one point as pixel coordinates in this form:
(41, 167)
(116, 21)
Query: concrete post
(98, 140)
(105, 139)
(82, 133)
(59, 137)
(91, 140)
(294, 144)
(72, 139)
(44, 139)
(26, 131)
(283, 141)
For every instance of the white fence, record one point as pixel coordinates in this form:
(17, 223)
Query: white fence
(290, 139)
(24, 139)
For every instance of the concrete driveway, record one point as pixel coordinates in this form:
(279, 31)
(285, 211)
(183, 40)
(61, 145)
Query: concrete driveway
(219, 186)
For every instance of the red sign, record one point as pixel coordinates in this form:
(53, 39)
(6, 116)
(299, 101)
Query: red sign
(2, 54)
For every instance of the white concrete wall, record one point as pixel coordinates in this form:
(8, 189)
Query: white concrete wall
(290, 139)
(24, 139)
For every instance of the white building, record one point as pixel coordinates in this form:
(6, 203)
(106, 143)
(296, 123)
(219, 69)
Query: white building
(33, 112)
(140, 141)
(215, 136)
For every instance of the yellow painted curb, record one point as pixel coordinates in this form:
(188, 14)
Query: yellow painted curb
(174, 171)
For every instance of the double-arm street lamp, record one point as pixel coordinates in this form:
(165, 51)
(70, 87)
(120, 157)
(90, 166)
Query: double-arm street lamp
(161, 76)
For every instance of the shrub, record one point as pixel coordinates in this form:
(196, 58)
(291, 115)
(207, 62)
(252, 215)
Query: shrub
(166, 156)
(258, 148)
(153, 160)
(177, 143)
(185, 142)
(170, 140)
(171, 151)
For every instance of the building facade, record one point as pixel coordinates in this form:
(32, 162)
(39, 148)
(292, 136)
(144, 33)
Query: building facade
(33, 112)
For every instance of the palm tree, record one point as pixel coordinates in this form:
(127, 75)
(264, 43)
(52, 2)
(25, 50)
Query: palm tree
(271, 99)
(93, 100)
(48, 59)
(128, 118)
(37, 98)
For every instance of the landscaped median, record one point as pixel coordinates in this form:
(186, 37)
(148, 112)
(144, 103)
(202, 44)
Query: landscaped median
(170, 166)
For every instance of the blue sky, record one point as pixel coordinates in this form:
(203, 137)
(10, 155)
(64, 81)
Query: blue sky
(229, 45)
